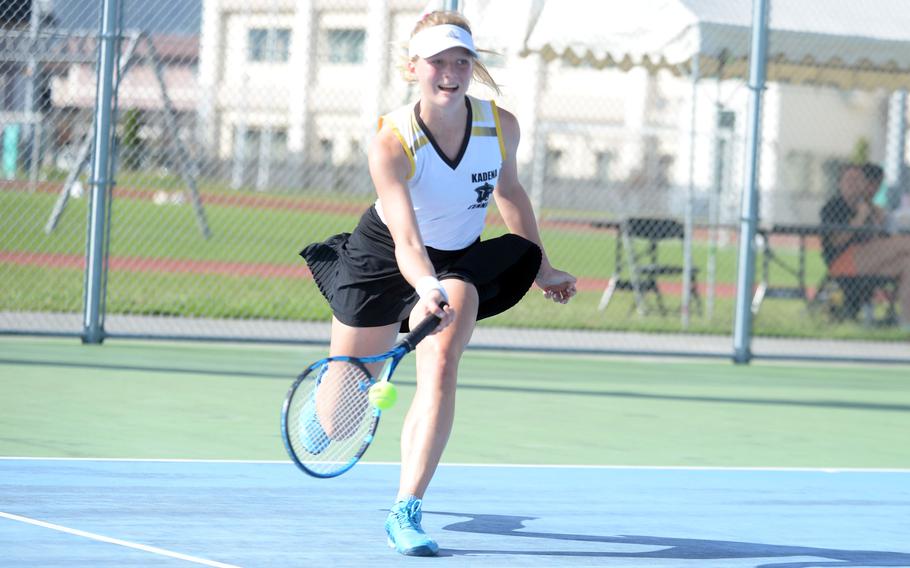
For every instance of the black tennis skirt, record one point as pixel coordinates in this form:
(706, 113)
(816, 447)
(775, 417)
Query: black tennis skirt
(359, 276)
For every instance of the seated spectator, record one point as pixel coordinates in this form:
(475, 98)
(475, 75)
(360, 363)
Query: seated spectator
(865, 249)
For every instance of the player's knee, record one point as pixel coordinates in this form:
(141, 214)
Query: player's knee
(462, 292)
(438, 368)
(444, 360)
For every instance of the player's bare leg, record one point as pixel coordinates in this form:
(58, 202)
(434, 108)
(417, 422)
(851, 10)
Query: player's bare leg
(429, 420)
(347, 340)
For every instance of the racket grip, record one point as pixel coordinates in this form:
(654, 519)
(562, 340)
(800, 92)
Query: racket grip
(422, 330)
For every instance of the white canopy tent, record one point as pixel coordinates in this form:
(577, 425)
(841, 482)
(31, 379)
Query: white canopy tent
(843, 43)
(839, 43)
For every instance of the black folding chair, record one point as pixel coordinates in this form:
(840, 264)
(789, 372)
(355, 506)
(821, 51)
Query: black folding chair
(849, 297)
(638, 265)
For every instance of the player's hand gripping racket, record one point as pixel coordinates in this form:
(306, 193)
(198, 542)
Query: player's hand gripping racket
(327, 421)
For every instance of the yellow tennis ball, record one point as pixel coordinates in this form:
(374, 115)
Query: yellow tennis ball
(383, 395)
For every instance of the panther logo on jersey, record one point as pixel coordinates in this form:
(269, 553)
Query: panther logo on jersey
(483, 196)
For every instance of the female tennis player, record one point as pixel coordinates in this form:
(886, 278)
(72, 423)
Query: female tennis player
(435, 164)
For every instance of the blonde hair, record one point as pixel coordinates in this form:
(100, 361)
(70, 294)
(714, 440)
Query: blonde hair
(438, 18)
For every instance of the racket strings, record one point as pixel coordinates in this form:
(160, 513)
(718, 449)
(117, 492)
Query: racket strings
(330, 419)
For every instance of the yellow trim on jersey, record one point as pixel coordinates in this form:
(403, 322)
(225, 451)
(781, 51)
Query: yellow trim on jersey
(404, 145)
(407, 150)
(483, 131)
(420, 143)
(502, 144)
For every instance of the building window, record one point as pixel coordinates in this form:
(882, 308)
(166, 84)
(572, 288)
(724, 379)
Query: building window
(552, 163)
(797, 172)
(5, 94)
(604, 165)
(354, 151)
(345, 45)
(269, 44)
(253, 143)
(12, 89)
(326, 150)
(280, 145)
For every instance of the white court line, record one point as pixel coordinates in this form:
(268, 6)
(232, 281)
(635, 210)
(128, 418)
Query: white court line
(117, 541)
(493, 465)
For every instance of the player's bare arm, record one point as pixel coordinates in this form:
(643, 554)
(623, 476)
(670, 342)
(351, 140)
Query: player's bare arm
(389, 169)
(516, 210)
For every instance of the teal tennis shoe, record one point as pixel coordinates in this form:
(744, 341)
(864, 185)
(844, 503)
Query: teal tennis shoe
(404, 530)
(312, 435)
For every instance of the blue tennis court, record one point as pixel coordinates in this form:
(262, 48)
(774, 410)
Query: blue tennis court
(169, 454)
(223, 513)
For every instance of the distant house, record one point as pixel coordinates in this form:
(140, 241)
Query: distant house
(177, 57)
(61, 44)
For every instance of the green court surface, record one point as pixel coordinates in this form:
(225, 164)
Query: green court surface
(131, 399)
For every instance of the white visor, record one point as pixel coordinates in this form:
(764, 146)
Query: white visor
(430, 41)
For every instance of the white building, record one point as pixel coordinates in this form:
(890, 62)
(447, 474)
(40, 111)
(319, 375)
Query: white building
(290, 78)
(303, 81)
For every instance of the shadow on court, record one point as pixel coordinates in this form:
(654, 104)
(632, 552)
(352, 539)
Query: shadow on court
(673, 548)
(259, 374)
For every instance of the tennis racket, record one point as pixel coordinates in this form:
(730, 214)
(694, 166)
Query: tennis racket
(327, 421)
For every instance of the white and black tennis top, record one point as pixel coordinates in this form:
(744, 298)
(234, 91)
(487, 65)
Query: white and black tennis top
(450, 197)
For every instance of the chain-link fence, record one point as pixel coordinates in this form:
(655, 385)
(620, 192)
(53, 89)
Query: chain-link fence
(241, 130)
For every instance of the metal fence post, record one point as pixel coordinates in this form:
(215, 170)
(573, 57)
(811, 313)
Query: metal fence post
(101, 182)
(742, 327)
(896, 148)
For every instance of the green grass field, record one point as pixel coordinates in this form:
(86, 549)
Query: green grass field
(271, 237)
(130, 399)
